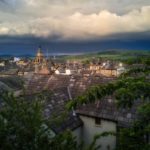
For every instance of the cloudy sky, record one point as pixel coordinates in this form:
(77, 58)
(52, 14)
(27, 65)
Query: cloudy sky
(86, 24)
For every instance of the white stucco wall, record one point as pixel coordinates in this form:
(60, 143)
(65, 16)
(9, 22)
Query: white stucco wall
(90, 129)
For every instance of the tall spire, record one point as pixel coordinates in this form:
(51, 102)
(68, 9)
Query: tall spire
(39, 49)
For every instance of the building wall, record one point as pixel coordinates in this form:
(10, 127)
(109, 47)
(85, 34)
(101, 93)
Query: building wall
(108, 73)
(94, 67)
(120, 71)
(90, 129)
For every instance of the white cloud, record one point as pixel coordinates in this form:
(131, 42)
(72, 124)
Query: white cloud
(78, 19)
(4, 30)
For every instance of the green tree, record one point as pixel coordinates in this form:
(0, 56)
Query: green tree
(23, 127)
(126, 90)
(137, 136)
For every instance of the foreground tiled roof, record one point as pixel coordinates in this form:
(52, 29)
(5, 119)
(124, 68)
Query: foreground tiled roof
(63, 88)
(107, 109)
(77, 83)
(40, 82)
(54, 106)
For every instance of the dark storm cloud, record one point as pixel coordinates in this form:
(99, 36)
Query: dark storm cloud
(28, 44)
(132, 36)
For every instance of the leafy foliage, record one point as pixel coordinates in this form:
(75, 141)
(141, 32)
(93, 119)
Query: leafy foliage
(23, 127)
(21, 124)
(137, 137)
(125, 90)
(134, 71)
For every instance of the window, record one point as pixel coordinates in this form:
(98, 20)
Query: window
(97, 121)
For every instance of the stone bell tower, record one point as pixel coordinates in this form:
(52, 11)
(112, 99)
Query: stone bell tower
(39, 59)
(40, 63)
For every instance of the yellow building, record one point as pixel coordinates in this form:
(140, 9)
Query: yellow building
(21, 63)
